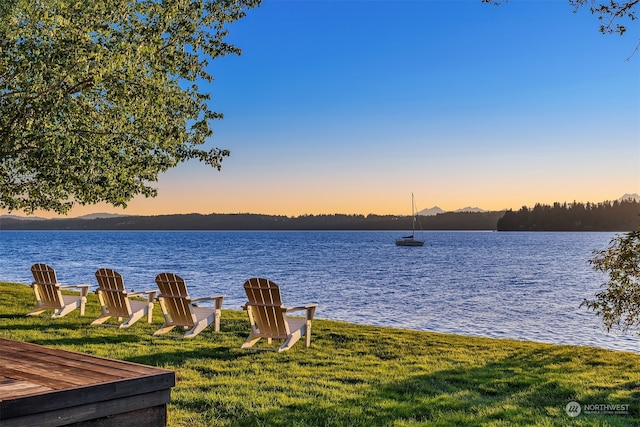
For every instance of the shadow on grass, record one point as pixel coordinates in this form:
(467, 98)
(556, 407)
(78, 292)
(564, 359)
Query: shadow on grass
(12, 316)
(521, 389)
(89, 341)
(20, 324)
(179, 359)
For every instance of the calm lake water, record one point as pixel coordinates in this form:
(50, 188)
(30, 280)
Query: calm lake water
(504, 285)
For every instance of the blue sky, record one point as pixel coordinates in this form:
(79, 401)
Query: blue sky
(350, 106)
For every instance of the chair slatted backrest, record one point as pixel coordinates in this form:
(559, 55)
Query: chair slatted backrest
(46, 286)
(112, 293)
(175, 299)
(266, 306)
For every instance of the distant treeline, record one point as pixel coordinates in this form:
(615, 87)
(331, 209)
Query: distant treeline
(605, 216)
(445, 221)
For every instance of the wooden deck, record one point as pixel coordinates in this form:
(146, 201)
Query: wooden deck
(41, 387)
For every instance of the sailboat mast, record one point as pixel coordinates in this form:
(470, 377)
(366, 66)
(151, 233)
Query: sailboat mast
(413, 216)
(410, 240)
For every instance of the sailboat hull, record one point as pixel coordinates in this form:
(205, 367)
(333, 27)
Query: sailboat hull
(409, 241)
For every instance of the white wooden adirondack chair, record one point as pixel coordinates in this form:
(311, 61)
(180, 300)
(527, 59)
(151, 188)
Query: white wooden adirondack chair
(178, 308)
(49, 293)
(267, 316)
(116, 302)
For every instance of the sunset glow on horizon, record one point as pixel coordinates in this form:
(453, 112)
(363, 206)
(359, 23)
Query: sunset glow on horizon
(348, 107)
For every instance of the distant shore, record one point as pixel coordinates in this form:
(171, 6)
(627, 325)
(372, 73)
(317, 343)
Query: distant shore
(445, 221)
(529, 220)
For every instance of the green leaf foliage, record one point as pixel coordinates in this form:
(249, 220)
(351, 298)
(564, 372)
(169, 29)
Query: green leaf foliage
(619, 302)
(97, 98)
(611, 13)
(615, 17)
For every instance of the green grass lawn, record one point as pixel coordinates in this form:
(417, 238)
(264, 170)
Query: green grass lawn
(352, 375)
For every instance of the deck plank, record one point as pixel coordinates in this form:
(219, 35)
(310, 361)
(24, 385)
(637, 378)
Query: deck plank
(39, 383)
(67, 371)
(21, 388)
(83, 360)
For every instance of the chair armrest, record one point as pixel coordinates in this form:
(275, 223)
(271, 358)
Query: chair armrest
(301, 307)
(277, 306)
(217, 300)
(84, 289)
(150, 294)
(310, 308)
(208, 298)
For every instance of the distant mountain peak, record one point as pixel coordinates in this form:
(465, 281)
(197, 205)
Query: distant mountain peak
(431, 211)
(470, 209)
(100, 215)
(437, 210)
(25, 218)
(635, 197)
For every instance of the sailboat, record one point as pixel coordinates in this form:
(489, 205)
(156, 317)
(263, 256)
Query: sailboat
(411, 240)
